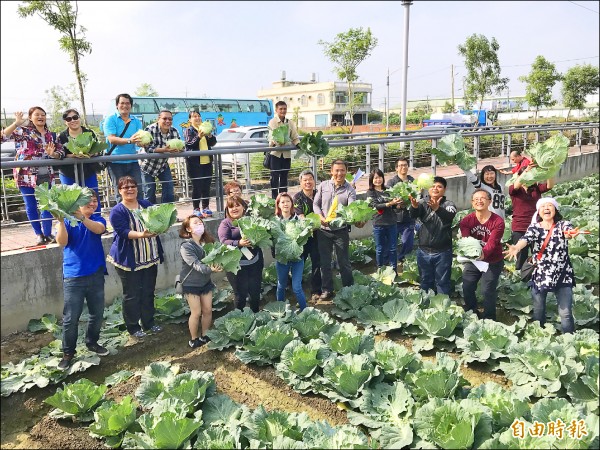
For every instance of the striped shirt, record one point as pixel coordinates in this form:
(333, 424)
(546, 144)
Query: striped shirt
(159, 140)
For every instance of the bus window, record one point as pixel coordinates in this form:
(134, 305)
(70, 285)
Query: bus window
(144, 105)
(265, 107)
(227, 106)
(172, 104)
(250, 105)
(201, 104)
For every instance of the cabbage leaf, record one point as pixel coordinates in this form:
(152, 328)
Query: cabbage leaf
(158, 218)
(62, 201)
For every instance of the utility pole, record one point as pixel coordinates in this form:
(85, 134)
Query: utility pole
(452, 77)
(387, 103)
(406, 4)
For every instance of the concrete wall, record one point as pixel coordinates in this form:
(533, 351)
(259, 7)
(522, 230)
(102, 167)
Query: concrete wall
(32, 280)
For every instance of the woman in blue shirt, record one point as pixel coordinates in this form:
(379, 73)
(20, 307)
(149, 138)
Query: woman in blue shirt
(136, 254)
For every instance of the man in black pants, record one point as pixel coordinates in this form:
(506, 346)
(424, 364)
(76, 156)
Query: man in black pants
(303, 205)
(281, 160)
(329, 237)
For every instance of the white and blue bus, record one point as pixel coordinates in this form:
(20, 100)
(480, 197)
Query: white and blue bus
(223, 113)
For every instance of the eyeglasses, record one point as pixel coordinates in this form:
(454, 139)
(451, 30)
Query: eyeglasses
(128, 187)
(75, 117)
(168, 119)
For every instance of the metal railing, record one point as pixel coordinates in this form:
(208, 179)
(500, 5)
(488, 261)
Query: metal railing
(361, 150)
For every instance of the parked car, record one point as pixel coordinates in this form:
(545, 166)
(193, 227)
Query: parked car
(247, 136)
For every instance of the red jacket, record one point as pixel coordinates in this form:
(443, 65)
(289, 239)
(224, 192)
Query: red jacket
(524, 204)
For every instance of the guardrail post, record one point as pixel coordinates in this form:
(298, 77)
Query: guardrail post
(313, 166)
(5, 215)
(579, 133)
(476, 149)
(368, 159)
(381, 153)
(508, 145)
(537, 137)
(411, 158)
(502, 146)
(218, 183)
(524, 141)
(247, 172)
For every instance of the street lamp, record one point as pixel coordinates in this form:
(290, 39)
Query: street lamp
(406, 4)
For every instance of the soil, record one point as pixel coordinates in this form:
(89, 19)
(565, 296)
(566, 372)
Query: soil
(26, 424)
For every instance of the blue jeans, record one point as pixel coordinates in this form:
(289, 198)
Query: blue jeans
(283, 270)
(31, 208)
(386, 238)
(434, 270)
(564, 298)
(91, 182)
(168, 190)
(406, 232)
(91, 289)
(132, 169)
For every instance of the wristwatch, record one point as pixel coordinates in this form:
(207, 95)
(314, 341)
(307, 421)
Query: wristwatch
(129, 141)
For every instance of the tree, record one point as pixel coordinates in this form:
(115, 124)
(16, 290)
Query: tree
(540, 81)
(145, 90)
(58, 100)
(448, 107)
(346, 52)
(579, 82)
(62, 16)
(483, 68)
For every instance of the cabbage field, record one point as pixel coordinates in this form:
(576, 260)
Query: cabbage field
(382, 366)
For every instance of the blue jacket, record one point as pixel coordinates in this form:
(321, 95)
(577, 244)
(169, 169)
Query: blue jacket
(122, 251)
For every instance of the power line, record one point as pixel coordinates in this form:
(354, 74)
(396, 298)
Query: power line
(584, 7)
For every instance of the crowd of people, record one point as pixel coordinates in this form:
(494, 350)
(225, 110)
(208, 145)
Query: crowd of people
(136, 253)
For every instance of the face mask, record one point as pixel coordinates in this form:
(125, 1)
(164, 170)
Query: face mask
(198, 230)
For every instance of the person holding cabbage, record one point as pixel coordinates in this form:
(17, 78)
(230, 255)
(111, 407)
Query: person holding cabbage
(34, 141)
(66, 174)
(165, 139)
(434, 255)
(524, 199)
(136, 253)
(487, 228)
(84, 269)
(122, 135)
(247, 281)
(330, 195)
(284, 211)
(282, 132)
(406, 226)
(198, 137)
(554, 271)
(195, 275)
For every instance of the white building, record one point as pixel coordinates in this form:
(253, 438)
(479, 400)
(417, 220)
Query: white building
(319, 104)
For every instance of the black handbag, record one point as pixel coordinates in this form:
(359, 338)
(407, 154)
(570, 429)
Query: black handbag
(527, 269)
(530, 264)
(103, 165)
(267, 160)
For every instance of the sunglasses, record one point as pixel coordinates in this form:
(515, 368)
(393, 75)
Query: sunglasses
(75, 117)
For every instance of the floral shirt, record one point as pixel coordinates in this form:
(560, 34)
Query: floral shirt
(554, 270)
(30, 146)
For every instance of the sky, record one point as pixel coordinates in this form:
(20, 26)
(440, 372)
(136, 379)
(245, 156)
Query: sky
(226, 49)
